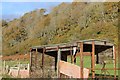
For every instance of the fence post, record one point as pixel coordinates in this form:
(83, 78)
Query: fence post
(30, 58)
(58, 59)
(18, 69)
(71, 55)
(43, 53)
(81, 60)
(114, 53)
(93, 59)
(28, 67)
(4, 64)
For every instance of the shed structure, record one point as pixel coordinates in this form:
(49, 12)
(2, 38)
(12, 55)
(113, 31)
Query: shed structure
(44, 60)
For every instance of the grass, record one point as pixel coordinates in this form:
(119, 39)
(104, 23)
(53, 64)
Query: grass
(13, 63)
(6, 76)
(87, 64)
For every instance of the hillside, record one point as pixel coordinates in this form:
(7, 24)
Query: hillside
(65, 23)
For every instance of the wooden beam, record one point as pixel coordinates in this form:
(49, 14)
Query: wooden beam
(93, 59)
(105, 68)
(81, 59)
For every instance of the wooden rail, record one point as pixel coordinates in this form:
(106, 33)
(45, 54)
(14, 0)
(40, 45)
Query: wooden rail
(105, 68)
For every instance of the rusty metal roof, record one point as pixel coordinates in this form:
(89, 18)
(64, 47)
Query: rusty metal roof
(74, 44)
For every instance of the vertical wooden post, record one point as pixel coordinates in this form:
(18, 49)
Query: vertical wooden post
(30, 58)
(28, 67)
(74, 59)
(114, 53)
(30, 63)
(74, 55)
(43, 57)
(93, 59)
(36, 58)
(81, 60)
(43, 61)
(71, 55)
(4, 64)
(18, 74)
(58, 59)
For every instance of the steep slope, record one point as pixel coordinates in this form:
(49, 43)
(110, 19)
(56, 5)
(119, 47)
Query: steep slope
(66, 22)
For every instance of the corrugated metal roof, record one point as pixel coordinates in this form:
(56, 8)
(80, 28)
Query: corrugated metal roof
(74, 44)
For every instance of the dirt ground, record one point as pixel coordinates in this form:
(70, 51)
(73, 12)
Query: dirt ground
(16, 57)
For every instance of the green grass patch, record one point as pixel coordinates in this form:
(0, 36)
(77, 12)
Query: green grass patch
(13, 63)
(87, 64)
